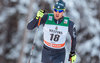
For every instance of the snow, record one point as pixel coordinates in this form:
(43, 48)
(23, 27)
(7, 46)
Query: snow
(11, 11)
(2, 17)
(51, 2)
(13, 0)
(38, 33)
(35, 7)
(81, 12)
(22, 9)
(1, 50)
(88, 46)
(27, 48)
(27, 2)
(21, 24)
(6, 13)
(14, 53)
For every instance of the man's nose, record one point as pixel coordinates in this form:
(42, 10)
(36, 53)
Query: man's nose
(57, 11)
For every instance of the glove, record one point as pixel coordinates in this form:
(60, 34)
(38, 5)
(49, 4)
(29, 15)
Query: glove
(40, 13)
(72, 57)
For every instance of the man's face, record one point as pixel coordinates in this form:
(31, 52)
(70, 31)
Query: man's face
(58, 15)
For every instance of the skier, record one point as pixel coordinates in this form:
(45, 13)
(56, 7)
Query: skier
(55, 28)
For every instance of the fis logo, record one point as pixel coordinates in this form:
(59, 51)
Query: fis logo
(56, 28)
(50, 18)
(65, 21)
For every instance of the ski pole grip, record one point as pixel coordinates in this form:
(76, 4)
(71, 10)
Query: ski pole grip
(39, 21)
(43, 11)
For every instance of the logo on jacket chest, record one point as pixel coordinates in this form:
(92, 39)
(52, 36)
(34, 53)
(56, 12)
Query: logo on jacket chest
(50, 18)
(65, 21)
(56, 28)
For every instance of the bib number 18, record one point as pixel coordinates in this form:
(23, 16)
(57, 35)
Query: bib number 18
(54, 37)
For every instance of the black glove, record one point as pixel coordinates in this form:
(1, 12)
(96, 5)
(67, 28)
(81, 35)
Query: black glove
(72, 57)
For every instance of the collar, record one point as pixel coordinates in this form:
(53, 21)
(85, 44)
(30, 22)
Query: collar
(59, 21)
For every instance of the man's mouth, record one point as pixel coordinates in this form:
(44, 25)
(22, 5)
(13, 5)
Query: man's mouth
(57, 15)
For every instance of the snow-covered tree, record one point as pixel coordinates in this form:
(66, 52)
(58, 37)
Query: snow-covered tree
(16, 41)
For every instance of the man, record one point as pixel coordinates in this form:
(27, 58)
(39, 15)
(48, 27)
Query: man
(56, 27)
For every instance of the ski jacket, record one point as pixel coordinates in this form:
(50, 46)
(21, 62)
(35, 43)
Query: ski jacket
(67, 23)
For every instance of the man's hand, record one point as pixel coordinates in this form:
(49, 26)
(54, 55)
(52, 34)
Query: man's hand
(40, 13)
(72, 57)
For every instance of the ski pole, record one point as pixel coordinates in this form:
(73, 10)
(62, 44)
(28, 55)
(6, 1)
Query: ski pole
(70, 60)
(33, 42)
(31, 53)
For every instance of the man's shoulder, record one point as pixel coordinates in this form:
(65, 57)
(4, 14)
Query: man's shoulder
(66, 17)
(71, 22)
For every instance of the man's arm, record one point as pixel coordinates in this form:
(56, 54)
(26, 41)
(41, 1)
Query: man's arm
(34, 23)
(72, 31)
